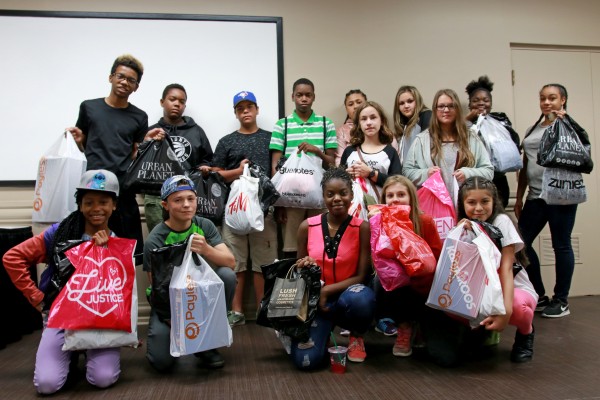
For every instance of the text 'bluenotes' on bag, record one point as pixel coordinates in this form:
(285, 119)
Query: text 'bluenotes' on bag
(59, 173)
(299, 181)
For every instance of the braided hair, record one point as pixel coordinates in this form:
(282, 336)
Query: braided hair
(338, 172)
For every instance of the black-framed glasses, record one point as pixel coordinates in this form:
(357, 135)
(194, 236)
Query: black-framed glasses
(121, 77)
(442, 107)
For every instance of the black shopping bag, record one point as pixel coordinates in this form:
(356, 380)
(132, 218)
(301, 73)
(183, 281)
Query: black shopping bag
(267, 194)
(212, 196)
(566, 145)
(289, 298)
(155, 163)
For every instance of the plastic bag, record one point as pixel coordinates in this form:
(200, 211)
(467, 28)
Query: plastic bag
(162, 262)
(299, 182)
(503, 152)
(412, 251)
(292, 327)
(492, 301)
(198, 311)
(435, 200)
(390, 272)
(566, 145)
(243, 213)
(267, 194)
(156, 162)
(358, 207)
(562, 187)
(105, 338)
(99, 293)
(212, 197)
(59, 173)
(460, 276)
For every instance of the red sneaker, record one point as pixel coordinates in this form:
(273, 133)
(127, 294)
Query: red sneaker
(402, 346)
(356, 349)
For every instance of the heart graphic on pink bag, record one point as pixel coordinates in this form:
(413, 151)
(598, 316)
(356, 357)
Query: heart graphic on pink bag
(100, 291)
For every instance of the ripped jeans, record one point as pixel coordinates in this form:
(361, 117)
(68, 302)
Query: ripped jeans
(352, 310)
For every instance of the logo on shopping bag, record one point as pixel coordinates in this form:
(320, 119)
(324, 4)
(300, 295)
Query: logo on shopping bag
(444, 225)
(101, 290)
(239, 204)
(192, 329)
(445, 299)
(37, 202)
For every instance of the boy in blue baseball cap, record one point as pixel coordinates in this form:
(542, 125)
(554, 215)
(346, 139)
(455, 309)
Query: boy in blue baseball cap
(178, 195)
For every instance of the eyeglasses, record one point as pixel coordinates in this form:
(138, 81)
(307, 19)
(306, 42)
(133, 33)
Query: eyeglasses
(442, 107)
(121, 77)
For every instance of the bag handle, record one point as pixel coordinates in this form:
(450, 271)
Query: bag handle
(369, 179)
(189, 253)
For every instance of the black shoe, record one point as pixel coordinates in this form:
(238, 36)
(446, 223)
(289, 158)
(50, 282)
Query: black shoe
(211, 359)
(556, 309)
(542, 303)
(522, 350)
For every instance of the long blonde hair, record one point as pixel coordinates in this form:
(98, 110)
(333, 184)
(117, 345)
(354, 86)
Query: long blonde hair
(403, 126)
(415, 211)
(465, 156)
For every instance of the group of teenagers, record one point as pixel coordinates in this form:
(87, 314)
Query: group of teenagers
(393, 161)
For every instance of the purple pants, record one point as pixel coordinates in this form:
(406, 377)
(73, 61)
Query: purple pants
(52, 364)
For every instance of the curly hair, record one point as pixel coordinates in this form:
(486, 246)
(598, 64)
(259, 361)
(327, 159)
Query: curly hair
(482, 83)
(129, 61)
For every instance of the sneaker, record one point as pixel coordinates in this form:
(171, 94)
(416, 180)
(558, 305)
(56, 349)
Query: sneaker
(556, 309)
(356, 349)
(522, 350)
(542, 303)
(402, 345)
(236, 318)
(211, 358)
(344, 332)
(386, 326)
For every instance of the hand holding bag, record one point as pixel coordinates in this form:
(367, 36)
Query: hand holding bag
(566, 145)
(243, 213)
(198, 311)
(59, 173)
(289, 297)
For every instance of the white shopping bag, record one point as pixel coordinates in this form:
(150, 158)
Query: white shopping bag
(59, 173)
(198, 312)
(358, 207)
(299, 182)
(243, 213)
(503, 152)
(105, 338)
(563, 187)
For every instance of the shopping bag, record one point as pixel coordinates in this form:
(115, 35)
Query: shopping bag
(243, 213)
(267, 194)
(292, 326)
(155, 163)
(459, 278)
(562, 187)
(99, 293)
(492, 301)
(388, 268)
(198, 311)
(289, 297)
(435, 200)
(212, 194)
(59, 173)
(503, 152)
(105, 338)
(358, 207)
(299, 182)
(412, 251)
(162, 262)
(566, 145)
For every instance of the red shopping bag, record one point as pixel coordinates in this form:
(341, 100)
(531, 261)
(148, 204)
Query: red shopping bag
(390, 272)
(435, 200)
(98, 294)
(412, 251)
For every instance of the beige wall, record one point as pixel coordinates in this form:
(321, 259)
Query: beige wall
(377, 46)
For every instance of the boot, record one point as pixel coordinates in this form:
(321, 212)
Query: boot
(522, 350)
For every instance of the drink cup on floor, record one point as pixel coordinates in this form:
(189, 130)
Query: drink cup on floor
(337, 356)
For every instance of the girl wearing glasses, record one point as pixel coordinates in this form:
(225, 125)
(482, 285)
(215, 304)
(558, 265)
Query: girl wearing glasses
(411, 117)
(447, 146)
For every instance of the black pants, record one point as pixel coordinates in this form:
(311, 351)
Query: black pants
(20, 317)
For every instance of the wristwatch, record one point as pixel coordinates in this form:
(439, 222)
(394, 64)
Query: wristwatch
(372, 173)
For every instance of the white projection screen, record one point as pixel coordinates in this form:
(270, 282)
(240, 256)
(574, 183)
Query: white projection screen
(51, 61)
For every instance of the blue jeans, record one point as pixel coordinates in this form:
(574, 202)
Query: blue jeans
(353, 310)
(561, 219)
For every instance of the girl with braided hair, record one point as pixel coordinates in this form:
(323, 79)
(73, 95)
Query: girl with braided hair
(96, 199)
(339, 244)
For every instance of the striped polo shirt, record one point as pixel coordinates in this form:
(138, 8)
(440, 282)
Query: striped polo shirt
(299, 131)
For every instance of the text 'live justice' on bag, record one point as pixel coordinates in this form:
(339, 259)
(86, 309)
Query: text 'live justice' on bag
(59, 173)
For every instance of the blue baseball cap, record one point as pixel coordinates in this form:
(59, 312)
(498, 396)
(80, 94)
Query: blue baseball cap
(176, 183)
(244, 96)
(99, 180)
